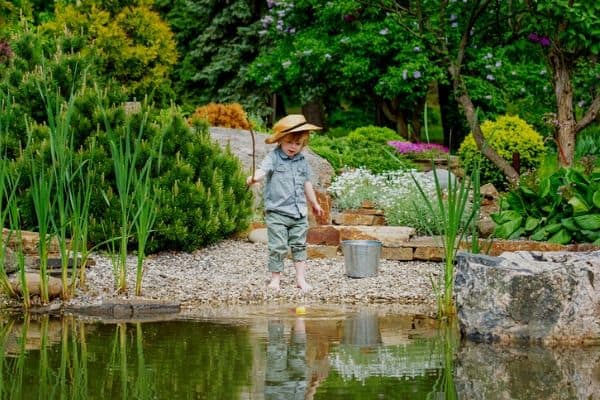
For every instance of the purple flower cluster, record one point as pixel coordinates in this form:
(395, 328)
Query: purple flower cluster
(542, 40)
(408, 147)
(6, 52)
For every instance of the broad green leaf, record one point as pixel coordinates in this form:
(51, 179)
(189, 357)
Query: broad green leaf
(596, 198)
(569, 223)
(597, 242)
(589, 222)
(560, 237)
(548, 208)
(506, 216)
(579, 205)
(528, 191)
(507, 229)
(591, 235)
(544, 187)
(531, 223)
(553, 228)
(540, 234)
(516, 234)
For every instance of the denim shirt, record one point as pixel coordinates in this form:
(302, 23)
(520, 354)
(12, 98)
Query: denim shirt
(284, 183)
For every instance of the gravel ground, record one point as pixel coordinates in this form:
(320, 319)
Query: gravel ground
(233, 272)
(233, 275)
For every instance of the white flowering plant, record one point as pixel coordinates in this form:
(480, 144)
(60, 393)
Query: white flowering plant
(394, 192)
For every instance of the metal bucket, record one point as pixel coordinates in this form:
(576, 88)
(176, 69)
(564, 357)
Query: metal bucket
(361, 257)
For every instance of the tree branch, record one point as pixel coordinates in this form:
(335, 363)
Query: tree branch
(590, 115)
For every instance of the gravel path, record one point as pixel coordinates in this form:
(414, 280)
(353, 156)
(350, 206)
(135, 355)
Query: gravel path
(233, 272)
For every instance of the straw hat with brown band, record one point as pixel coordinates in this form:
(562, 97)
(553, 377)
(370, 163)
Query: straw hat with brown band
(292, 123)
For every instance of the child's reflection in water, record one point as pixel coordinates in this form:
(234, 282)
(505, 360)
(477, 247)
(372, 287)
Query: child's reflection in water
(296, 364)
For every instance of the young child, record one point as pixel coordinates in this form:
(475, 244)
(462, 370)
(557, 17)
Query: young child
(287, 190)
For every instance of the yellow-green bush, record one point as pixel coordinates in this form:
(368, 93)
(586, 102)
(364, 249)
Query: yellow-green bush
(224, 115)
(132, 45)
(507, 135)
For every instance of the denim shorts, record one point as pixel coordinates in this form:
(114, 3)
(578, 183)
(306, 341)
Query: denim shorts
(285, 232)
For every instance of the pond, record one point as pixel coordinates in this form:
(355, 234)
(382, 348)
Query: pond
(279, 353)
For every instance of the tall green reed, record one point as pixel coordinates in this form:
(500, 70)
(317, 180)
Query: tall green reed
(136, 198)
(15, 228)
(145, 200)
(62, 170)
(42, 186)
(452, 205)
(7, 198)
(79, 199)
(73, 188)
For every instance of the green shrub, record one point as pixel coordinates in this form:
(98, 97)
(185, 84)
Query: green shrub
(202, 195)
(131, 45)
(561, 207)
(507, 135)
(363, 147)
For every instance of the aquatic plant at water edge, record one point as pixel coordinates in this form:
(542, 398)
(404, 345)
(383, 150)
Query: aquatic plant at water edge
(454, 226)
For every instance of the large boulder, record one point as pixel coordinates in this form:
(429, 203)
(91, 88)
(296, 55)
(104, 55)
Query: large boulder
(240, 142)
(488, 371)
(536, 297)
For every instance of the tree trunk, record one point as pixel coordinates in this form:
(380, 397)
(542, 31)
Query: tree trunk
(402, 125)
(565, 118)
(416, 124)
(313, 112)
(397, 116)
(463, 98)
(278, 107)
(452, 122)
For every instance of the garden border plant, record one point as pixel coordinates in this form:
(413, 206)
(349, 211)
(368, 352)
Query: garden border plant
(453, 231)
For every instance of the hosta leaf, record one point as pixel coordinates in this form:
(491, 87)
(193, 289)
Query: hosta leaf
(505, 216)
(596, 198)
(553, 228)
(579, 205)
(508, 229)
(527, 191)
(569, 223)
(589, 222)
(531, 223)
(544, 187)
(540, 234)
(561, 237)
(591, 235)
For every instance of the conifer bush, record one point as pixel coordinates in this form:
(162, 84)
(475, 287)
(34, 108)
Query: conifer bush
(223, 115)
(507, 135)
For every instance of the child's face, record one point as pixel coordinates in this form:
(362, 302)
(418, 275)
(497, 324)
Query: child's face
(292, 144)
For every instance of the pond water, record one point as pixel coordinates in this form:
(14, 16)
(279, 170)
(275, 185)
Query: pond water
(280, 353)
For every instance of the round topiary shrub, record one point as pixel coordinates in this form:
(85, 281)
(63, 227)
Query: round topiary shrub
(507, 135)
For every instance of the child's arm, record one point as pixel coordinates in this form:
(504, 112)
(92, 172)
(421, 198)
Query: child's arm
(312, 198)
(259, 175)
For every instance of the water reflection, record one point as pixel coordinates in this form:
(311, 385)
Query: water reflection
(278, 354)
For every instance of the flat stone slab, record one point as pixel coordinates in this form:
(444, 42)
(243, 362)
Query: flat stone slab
(125, 308)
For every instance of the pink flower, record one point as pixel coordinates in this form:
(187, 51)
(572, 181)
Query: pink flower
(408, 147)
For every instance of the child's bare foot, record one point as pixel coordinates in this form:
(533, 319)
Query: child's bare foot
(274, 284)
(305, 287)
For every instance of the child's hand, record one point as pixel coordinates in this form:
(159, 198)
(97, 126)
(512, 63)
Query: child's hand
(317, 210)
